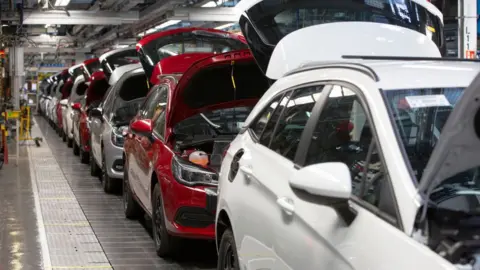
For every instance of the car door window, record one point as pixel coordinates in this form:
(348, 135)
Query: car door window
(107, 103)
(290, 125)
(261, 122)
(343, 133)
(266, 135)
(159, 115)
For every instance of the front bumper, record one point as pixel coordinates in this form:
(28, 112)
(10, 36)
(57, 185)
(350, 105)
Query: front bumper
(192, 212)
(113, 159)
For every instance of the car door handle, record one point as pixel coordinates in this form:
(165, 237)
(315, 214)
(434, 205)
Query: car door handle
(287, 205)
(247, 172)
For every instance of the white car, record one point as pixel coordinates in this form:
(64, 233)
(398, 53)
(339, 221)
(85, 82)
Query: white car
(78, 93)
(349, 162)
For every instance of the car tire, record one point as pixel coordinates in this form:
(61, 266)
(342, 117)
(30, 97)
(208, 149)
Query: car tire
(84, 156)
(227, 252)
(94, 169)
(131, 208)
(107, 182)
(76, 149)
(165, 244)
(69, 142)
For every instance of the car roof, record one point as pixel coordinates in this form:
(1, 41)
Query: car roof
(423, 74)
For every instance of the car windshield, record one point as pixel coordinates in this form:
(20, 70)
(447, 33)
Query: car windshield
(216, 122)
(419, 116)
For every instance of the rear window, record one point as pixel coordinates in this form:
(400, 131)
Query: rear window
(187, 42)
(114, 61)
(130, 97)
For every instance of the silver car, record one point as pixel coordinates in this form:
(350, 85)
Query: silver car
(109, 121)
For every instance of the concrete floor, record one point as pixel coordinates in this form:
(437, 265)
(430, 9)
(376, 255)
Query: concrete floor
(80, 227)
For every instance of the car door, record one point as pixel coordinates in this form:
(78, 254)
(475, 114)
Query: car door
(265, 160)
(367, 233)
(97, 125)
(146, 147)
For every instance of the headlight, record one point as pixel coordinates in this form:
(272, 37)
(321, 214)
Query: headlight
(117, 135)
(190, 174)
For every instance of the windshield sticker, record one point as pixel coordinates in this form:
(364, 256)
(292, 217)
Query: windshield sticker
(427, 101)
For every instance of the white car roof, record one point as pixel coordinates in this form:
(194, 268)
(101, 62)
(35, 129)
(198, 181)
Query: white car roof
(71, 69)
(117, 73)
(107, 54)
(423, 74)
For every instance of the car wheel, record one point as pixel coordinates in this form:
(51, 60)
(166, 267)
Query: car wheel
(76, 149)
(165, 244)
(227, 252)
(69, 141)
(94, 169)
(107, 182)
(130, 205)
(84, 156)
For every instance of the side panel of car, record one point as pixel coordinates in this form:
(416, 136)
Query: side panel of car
(321, 235)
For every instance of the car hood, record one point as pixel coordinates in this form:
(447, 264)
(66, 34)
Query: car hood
(161, 45)
(458, 147)
(219, 81)
(265, 23)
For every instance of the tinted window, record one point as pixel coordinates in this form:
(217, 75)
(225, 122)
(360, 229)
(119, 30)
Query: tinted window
(294, 118)
(156, 98)
(158, 116)
(187, 42)
(343, 134)
(262, 121)
(268, 131)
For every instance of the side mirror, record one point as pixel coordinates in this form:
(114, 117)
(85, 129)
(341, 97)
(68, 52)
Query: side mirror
(96, 113)
(76, 106)
(331, 181)
(142, 127)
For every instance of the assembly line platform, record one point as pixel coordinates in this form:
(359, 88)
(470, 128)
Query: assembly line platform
(54, 215)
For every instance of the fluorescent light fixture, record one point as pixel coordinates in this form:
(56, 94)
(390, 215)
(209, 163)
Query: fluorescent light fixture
(224, 26)
(4, 25)
(62, 3)
(167, 24)
(209, 4)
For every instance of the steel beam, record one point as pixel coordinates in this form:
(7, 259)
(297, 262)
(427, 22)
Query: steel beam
(29, 50)
(222, 14)
(76, 17)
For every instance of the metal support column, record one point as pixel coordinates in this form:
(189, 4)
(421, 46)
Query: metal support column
(467, 29)
(17, 73)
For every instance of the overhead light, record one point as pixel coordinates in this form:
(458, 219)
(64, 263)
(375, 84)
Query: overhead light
(167, 24)
(210, 4)
(4, 25)
(224, 26)
(62, 3)
(47, 25)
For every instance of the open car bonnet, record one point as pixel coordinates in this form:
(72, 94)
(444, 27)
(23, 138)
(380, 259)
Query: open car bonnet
(458, 146)
(158, 46)
(265, 22)
(89, 67)
(220, 81)
(308, 45)
(111, 60)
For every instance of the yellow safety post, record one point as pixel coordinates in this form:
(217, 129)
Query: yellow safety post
(26, 126)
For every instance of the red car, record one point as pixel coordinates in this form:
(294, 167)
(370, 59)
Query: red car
(205, 84)
(58, 106)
